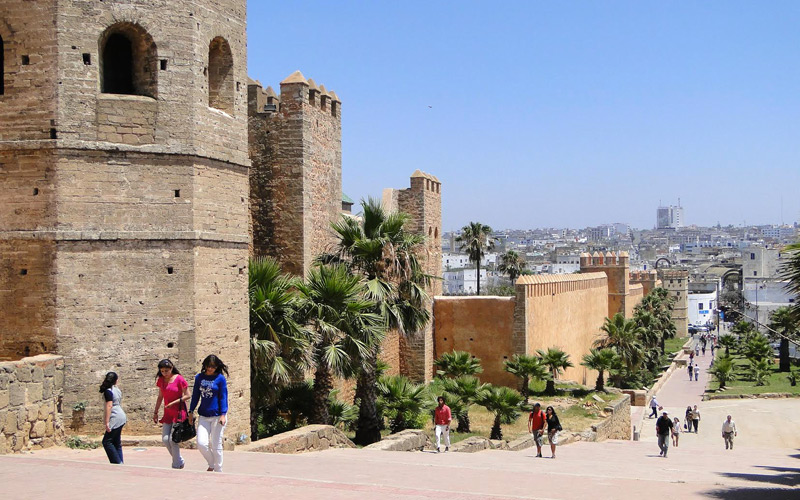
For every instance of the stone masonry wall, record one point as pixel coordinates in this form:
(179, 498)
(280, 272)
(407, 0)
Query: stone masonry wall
(676, 281)
(618, 423)
(564, 311)
(30, 403)
(617, 269)
(296, 177)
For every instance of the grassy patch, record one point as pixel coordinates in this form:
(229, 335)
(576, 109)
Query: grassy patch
(674, 344)
(776, 382)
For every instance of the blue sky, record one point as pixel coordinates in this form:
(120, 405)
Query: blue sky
(556, 114)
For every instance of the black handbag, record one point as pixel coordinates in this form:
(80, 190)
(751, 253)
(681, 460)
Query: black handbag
(183, 430)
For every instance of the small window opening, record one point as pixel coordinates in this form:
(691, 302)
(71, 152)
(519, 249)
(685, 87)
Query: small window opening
(163, 65)
(170, 270)
(53, 133)
(220, 75)
(35, 191)
(118, 65)
(23, 272)
(170, 345)
(177, 193)
(128, 61)
(334, 109)
(87, 59)
(26, 60)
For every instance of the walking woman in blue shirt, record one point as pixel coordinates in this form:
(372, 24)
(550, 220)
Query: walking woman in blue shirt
(211, 390)
(114, 418)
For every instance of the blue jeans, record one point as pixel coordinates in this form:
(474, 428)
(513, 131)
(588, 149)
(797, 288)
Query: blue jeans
(112, 443)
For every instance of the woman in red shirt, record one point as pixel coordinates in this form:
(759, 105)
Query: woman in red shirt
(173, 391)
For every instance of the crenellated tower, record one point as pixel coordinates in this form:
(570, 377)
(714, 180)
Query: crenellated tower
(676, 281)
(423, 202)
(617, 268)
(124, 180)
(296, 176)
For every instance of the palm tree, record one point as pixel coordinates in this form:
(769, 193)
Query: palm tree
(622, 335)
(526, 368)
(341, 413)
(503, 403)
(402, 399)
(790, 271)
(722, 370)
(476, 239)
(784, 324)
(512, 264)
(380, 248)
(759, 371)
(465, 390)
(457, 363)
(727, 341)
(344, 325)
(758, 348)
(602, 360)
(557, 361)
(280, 348)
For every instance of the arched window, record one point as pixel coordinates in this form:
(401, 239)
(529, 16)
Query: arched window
(220, 75)
(2, 67)
(128, 61)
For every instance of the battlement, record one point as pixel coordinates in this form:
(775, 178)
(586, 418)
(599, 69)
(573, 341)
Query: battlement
(427, 182)
(672, 274)
(538, 285)
(642, 276)
(294, 88)
(609, 259)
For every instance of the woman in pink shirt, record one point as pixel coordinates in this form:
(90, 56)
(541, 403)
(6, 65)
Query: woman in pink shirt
(173, 391)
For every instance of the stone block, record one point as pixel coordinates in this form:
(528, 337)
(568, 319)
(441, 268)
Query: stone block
(23, 373)
(9, 422)
(37, 374)
(49, 369)
(47, 388)
(38, 430)
(471, 445)
(32, 412)
(3, 400)
(16, 394)
(58, 380)
(34, 393)
(3, 445)
(46, 410)
(4, 380)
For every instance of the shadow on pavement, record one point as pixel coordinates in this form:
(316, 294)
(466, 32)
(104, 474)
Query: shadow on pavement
(752, 493)
(789, 476)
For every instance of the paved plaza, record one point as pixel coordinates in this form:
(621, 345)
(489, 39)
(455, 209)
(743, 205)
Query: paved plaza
(765, 464)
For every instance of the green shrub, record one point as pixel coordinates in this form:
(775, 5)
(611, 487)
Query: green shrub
(77, 443)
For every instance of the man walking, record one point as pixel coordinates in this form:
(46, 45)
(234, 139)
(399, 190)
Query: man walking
(441, 419)
(696, 372)
(653, 407)
(728, 432)
(536, 427)
(691, 370)
(663, 429)
(695, 418)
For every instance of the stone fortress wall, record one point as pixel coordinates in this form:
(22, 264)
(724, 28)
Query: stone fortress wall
(676, 281)
(296, 175)
(124, 238)
(31, 391)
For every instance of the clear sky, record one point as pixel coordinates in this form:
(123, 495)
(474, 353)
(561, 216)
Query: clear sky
(556, 114)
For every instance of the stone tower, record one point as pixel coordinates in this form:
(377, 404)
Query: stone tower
(124, 180)
(423, 202)
(648, 279)
(296, 177)
(676, 281)
(617, 268)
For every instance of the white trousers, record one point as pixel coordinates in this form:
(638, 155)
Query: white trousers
(173, 448)
(209, 441)
(442, 429)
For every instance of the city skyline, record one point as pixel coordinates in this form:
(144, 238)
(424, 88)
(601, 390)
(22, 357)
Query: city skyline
(536, 115)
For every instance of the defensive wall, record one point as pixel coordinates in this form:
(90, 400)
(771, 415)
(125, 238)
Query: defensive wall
(295, 142)
(564, 311)
(423, 203)
(676, 281)
(31, 391)
(124, 179)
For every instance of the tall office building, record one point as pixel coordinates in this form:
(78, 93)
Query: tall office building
(670, 217)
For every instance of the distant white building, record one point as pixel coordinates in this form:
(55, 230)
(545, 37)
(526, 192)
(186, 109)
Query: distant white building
(463, 281)
(566, 264)
(670, 217)
(764, 290)
(702, 308)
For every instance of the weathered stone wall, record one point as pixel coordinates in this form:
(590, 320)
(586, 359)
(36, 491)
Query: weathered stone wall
(28, 103)
(30, 403)
(296, 178)
(129, 213)
(648, 279)
(618, 423)
(564, 311)
(634, 298)
(423, 203)
(676, 281)
(482, 326)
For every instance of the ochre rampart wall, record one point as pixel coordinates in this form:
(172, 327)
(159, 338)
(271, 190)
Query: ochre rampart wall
(564, 311)
(483, 326)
